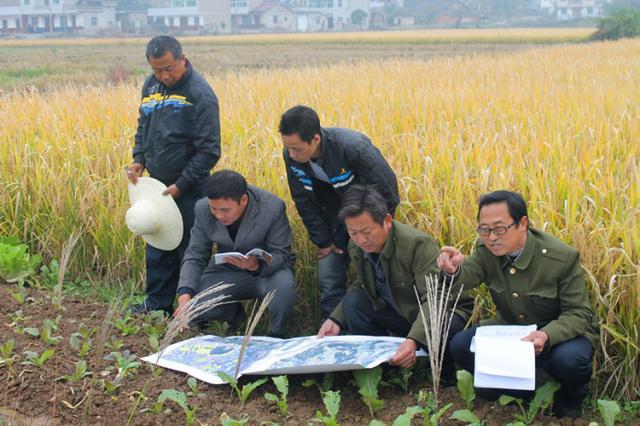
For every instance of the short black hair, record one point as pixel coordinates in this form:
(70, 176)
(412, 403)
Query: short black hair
(516, 204)
(363, 198)
(160, 45)
(301, 120)
(225, 184)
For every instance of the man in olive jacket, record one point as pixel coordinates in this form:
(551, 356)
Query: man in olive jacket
(389, 258)
(533, 278)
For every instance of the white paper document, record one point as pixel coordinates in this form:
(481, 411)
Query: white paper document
(508, 332)
(259, 253)
(202, 357)
(504, 364)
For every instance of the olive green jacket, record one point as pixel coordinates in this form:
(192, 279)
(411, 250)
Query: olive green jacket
(544, 286)
(407, 257)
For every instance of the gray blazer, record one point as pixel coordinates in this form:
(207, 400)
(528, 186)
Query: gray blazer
(264, 225)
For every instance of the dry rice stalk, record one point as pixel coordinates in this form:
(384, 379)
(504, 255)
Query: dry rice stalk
(67, 249)
(105, 327)
(193, 309)
(251, 325)
(437, 323)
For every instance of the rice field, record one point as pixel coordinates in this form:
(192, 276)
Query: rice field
(559, 123)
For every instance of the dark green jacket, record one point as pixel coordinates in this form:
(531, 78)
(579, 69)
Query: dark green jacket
(407, 257)
(544, 286)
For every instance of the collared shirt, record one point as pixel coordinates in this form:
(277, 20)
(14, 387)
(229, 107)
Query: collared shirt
(319, 172)
(382, 285)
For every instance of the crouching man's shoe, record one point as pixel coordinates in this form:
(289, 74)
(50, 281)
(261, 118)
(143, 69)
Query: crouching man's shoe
(565, 406)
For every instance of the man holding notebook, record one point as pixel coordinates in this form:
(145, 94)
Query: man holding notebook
(240, 218)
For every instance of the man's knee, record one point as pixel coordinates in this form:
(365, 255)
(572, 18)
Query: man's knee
(459, 347)
(571, 361)
(355, 301)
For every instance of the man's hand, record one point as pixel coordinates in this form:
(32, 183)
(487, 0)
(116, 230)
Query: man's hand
(539, 340)
(249, 264)
(172, 190)
(324, 252)
(134, 171)
(183, 299)
(328, 328)
(449, 259)
(405, 356)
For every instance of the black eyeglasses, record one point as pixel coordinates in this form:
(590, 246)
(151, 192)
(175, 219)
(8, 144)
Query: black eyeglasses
(497, 230)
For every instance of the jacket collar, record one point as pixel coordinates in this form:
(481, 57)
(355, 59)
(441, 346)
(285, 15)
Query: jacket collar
(248, 220)
(389, 246)
(523, 261)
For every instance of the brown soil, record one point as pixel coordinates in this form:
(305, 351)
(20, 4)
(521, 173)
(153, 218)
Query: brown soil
(33, 395)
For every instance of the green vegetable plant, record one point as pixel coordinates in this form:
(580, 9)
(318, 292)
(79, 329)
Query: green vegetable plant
(110, 387)
(609, 411)
(246, 390)
(125, 364)
(331, 400)
(368, 381)
(180, 398)
(193, 387)
(126, 325)
(7, 356)
(282, 384)
(114, 344)
(17, 318)
(80, 345)
(37, 360)
(15, 261)
(81, 371)
(541, 401)
(225, 420)
(468, 394)
(48, 329)
(325, 386)
(429, 412)
(401, 378)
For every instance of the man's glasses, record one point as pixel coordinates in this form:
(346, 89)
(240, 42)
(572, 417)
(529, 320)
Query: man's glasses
(497, 230)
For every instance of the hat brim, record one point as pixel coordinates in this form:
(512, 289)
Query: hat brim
(171, 229)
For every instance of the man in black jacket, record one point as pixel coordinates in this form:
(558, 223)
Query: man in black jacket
(322, 163)
(178, 142)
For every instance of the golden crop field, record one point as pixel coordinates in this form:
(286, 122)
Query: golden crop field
(558, 123)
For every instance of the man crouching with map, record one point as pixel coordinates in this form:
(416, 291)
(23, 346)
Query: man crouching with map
(239, 219)
(389, 259)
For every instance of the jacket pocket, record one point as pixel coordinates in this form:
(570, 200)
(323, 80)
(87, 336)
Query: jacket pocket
(544, 304)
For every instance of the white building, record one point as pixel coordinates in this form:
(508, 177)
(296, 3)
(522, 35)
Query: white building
(45, 16)
(573, 9)
(339, 14)
(191, 16)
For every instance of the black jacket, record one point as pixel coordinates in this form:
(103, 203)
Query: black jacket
(348, 157)
(178, 136)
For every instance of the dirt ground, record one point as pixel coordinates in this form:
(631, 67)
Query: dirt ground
(33, 396)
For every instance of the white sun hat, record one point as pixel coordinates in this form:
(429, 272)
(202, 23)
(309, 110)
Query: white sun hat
(153, 216)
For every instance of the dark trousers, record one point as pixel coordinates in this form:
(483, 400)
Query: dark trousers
(569, 363)
(163, 267)
(246, 285)
(361, 318)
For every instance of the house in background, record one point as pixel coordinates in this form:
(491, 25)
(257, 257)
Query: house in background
(273, 16)
(57, 16)
(573, 9)
(190, 16)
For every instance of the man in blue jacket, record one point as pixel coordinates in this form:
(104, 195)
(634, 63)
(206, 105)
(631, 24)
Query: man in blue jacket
(178, 143)
(322, 163)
